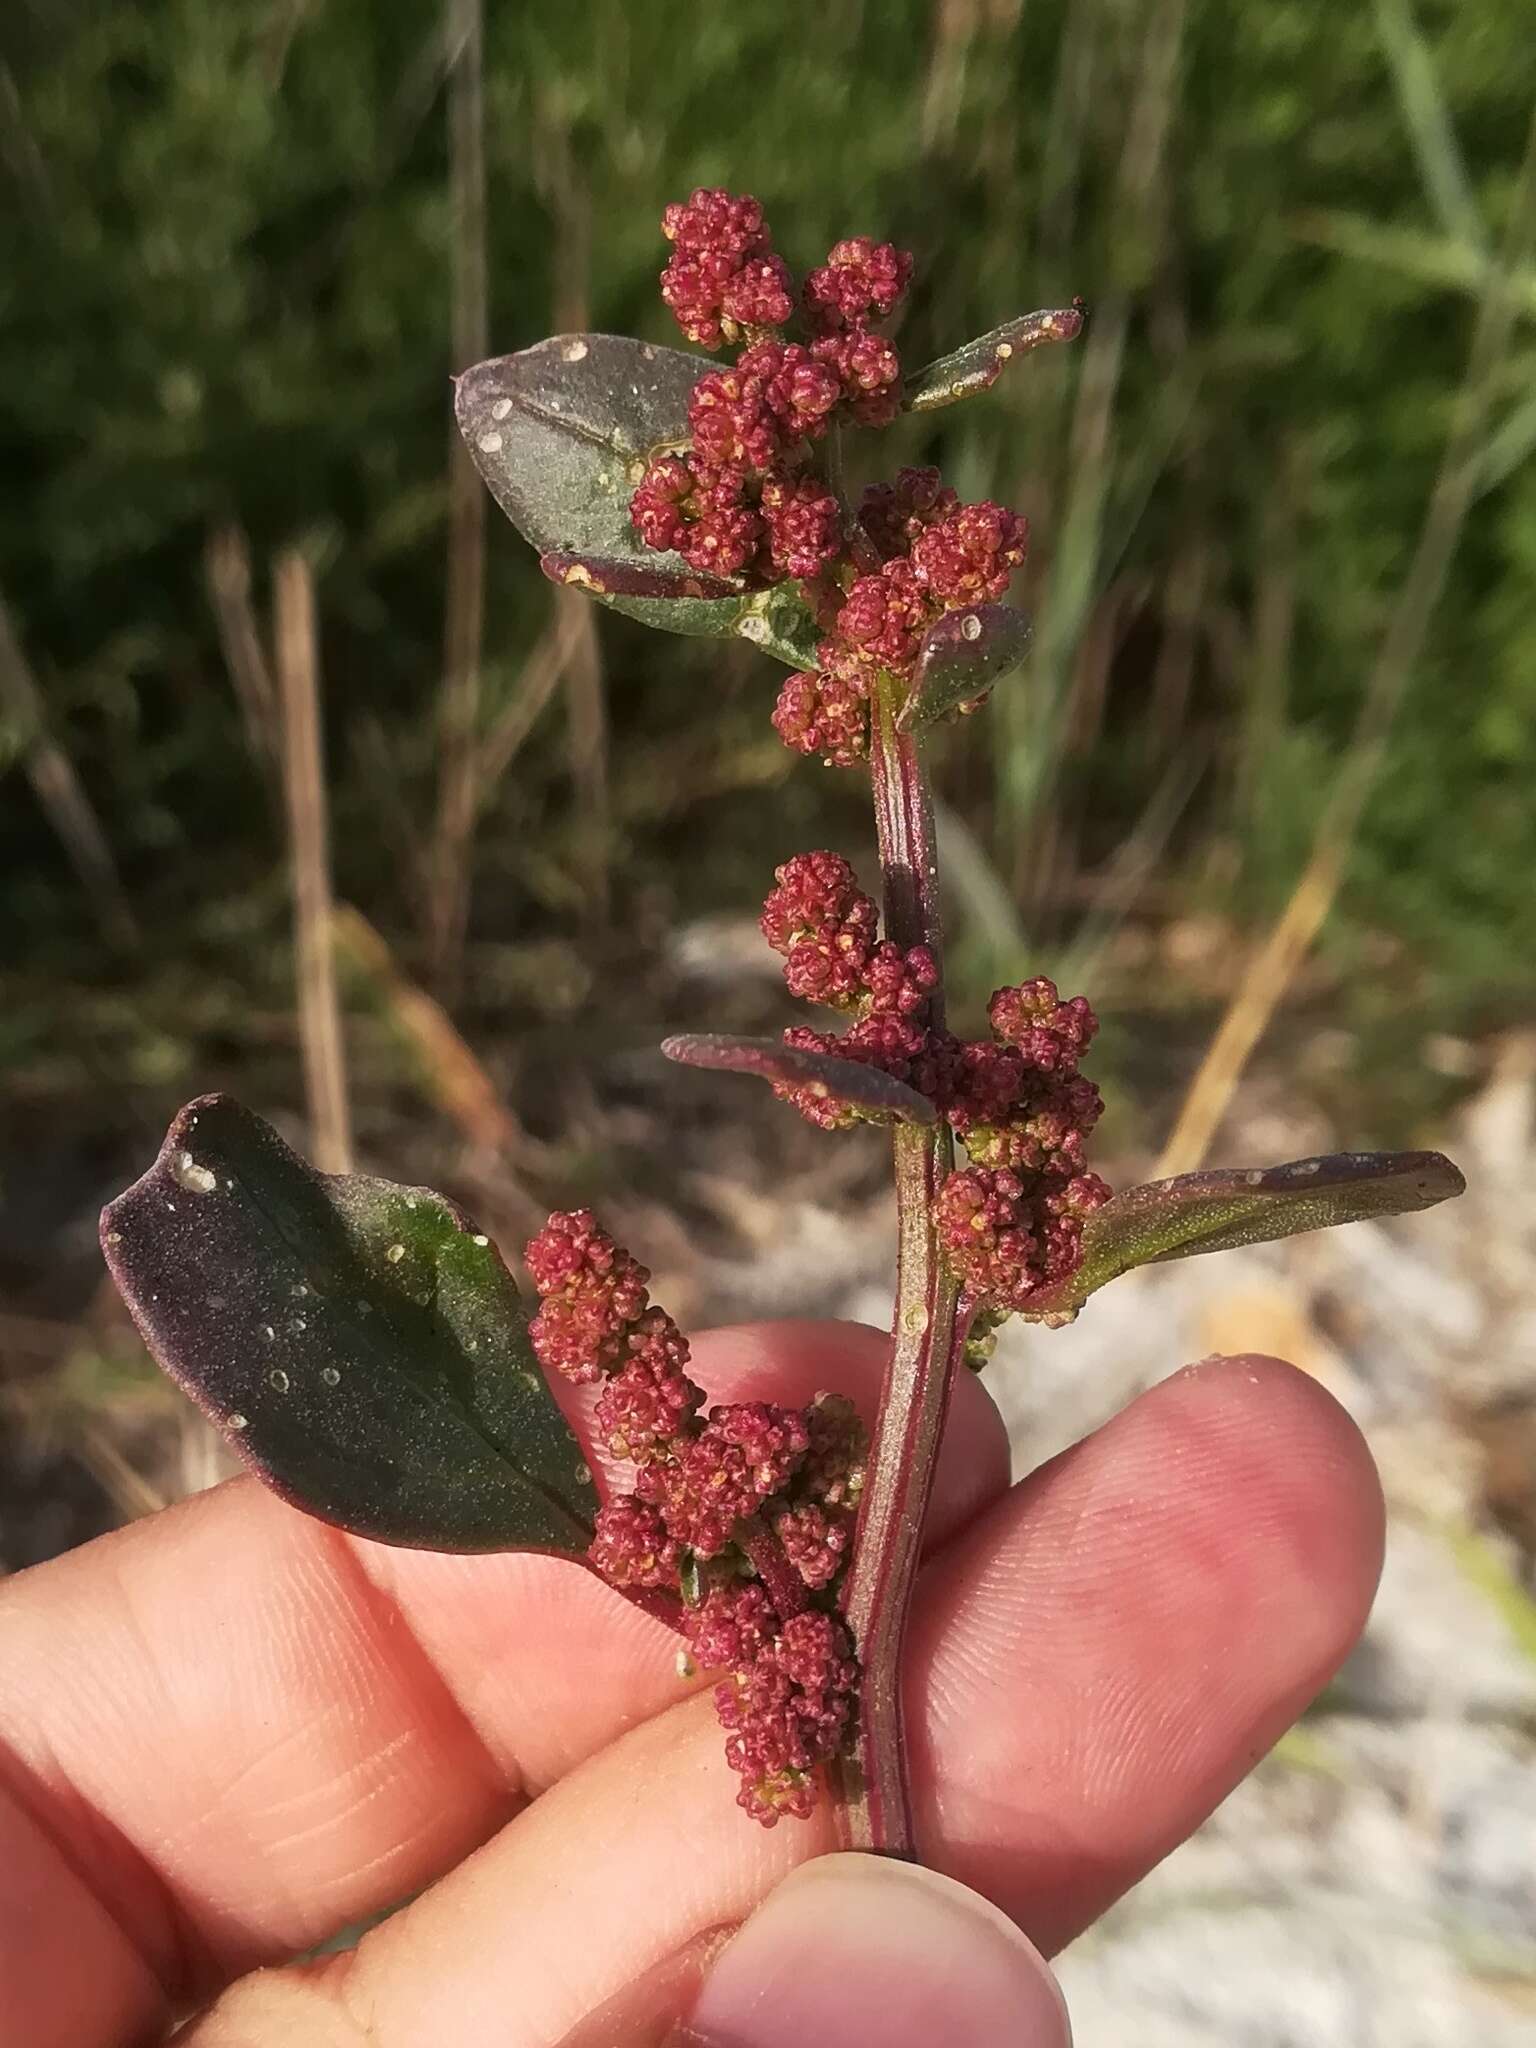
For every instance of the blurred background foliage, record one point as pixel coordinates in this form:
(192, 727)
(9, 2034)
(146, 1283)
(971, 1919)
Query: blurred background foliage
(225, 322)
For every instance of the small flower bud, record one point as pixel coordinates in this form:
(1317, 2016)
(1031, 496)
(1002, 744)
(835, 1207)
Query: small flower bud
(804, 523)
(722, 275)
(869, 371)
(885, 616)
(631, 1546)
(732, 1625)
(861, 280)
(893, 515)
(817, 895)
(1052, 1035)
(648, 1400)
(592, 1290)
(900, 981)
(660, 507)
(969, 555)
(815, 1541)
(826, 713)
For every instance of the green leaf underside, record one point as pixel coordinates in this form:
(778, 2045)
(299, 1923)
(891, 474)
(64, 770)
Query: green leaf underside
(561, 433)
(966, 654)
(850, 1081)
(980, 363)
(1229, 1207)
(359, 1344)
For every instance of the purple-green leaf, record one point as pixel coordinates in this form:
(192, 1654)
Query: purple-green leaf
(848, 1081)
(360, 1345)
(1232, 1206)
(966, 654)
(980, 363)
(562, 432)
(602, 576)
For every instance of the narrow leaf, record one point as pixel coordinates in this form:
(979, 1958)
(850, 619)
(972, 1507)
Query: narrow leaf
(835, 1080)
(562, 432)
(966, 654)
(361, 1345)
(978, 365)
(1229, 1206)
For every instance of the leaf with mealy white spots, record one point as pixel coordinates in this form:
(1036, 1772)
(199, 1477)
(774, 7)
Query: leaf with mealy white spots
(979, 363)
(1231, 1206)
(561, 433)
(361, 1345)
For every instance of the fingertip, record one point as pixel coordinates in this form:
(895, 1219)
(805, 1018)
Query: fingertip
(1103, 1655)
(862, 1948)
(1280, 1447)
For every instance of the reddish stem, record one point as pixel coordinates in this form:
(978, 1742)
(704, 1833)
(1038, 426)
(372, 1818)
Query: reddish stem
(782, 1583)
(926, 1345)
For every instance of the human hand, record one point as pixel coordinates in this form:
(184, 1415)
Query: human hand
(228, 1731)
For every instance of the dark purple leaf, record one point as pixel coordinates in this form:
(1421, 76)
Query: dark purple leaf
(562, 432)
(850, 1081)
(604, 577)
(966, 654)
(981, 362)
(360, 1345)
(1232, 1206)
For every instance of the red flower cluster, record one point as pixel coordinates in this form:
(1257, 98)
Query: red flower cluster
(1011, 1224)
(788, 1712)
(936, 555)
(893, 515)
(742, 502)
(722, 276)
(1009, 1236)
(750, 1507)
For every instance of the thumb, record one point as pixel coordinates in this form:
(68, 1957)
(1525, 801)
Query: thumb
(861, 1949)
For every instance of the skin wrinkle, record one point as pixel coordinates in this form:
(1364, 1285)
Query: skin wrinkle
(383, 1631)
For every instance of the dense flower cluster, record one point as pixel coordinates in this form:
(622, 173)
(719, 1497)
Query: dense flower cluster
(722, 276)
(788, 1711)
(744, 1514)
(935, 555)
(1011, 1223)
(743, 502)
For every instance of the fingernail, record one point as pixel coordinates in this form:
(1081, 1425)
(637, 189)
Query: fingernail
(860, 1949)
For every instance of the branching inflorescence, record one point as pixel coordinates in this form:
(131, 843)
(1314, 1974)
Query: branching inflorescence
(363, 1347)
(744, 1514)
(732, 1512)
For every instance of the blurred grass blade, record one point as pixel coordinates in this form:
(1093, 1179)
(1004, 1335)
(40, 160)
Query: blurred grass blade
(1431, 259)
(1228, 1207)
(1429, 123)
(361, 1346)
(1511, 444)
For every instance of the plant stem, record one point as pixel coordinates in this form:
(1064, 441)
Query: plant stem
(926, 1344)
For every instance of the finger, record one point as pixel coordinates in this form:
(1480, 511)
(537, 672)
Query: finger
(1111, 1649)
(861, 1950)
(233, 1730)
(855, 1949)
(1094, 1665)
